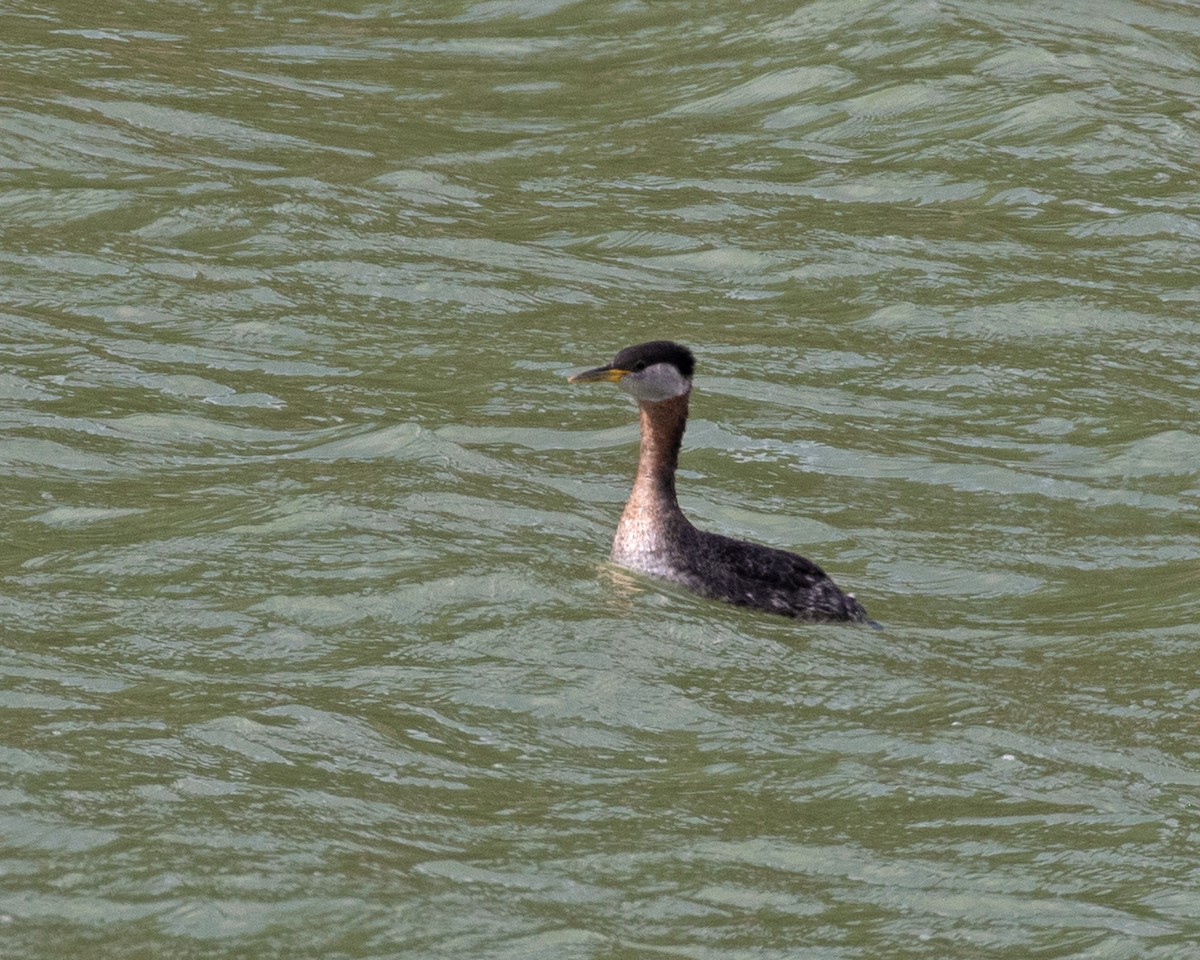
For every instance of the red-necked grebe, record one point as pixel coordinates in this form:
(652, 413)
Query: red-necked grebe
(654, 536)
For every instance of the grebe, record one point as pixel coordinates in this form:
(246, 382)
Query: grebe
(655, 537)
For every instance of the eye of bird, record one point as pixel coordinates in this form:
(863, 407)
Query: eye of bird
(639, 365)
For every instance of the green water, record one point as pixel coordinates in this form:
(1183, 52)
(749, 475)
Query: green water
(308, 646)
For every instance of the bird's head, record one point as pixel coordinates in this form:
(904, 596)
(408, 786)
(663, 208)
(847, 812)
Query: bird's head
(650, 372)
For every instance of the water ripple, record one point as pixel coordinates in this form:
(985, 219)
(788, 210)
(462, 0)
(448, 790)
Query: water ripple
(310, 645)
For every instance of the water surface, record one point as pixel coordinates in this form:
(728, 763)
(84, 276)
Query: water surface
(309, 646)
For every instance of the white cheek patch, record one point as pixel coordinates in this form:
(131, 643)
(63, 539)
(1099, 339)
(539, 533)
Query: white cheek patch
(662, 381)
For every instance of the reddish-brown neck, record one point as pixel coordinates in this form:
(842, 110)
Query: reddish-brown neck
(663, 424)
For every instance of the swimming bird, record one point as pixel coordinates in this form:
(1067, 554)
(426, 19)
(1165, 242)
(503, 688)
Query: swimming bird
(653, 535)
